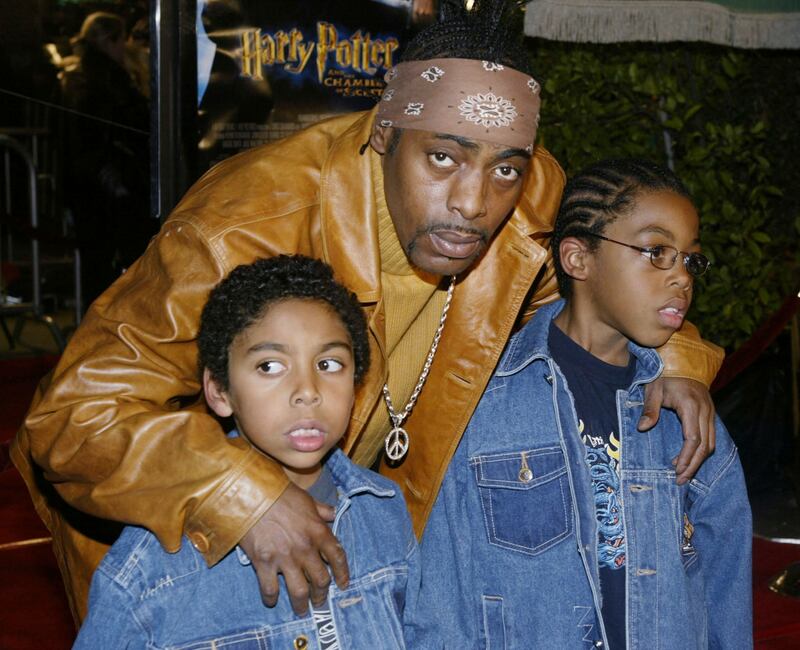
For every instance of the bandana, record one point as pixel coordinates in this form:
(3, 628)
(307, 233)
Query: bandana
(479, 100)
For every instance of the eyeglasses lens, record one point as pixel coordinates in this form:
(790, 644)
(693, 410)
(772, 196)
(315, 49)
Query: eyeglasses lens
(696, 264)
(663, 257)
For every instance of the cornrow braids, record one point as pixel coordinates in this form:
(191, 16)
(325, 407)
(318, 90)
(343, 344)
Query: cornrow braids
(491, 31)
(600, 194)
(251, 289)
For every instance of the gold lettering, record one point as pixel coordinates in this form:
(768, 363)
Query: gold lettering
(365, 55)
(295, 36)
(267, 50)
(327, 38)
(375, 57)
(251, 54)
(359, 52)
(281, 41)
(344, 54)
(391, 45)
(305, 51)
(357, 41)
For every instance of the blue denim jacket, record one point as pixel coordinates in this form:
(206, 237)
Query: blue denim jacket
(144, 597)
(512, 563)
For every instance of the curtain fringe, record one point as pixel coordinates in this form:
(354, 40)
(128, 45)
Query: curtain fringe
(613, 21)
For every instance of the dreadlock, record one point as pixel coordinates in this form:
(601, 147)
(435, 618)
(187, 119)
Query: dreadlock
(491, 30)
(600, 194)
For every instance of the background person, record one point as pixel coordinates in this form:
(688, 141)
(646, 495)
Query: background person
(107, 153)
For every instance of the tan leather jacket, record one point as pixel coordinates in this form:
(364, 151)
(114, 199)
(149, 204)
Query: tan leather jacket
(121, 432)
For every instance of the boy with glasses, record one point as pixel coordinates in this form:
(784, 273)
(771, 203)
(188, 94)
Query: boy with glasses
(580, 535)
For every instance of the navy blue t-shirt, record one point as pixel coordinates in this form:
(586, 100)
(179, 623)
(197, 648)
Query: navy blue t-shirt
(594, 385)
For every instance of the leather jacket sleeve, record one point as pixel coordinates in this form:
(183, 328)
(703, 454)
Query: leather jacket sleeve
(122, 431)
(688, 356)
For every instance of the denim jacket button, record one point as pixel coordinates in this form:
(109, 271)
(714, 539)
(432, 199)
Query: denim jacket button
(598, 644)
(200, 542)
(301, 642)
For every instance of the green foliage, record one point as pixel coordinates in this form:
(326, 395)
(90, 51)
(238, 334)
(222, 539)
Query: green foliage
(729, 120)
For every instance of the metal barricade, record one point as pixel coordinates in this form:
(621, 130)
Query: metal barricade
(29, 309)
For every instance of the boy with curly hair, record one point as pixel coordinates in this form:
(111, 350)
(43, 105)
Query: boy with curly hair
(281, 347)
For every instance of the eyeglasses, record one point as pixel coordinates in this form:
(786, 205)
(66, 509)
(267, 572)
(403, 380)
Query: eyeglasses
(662, 256)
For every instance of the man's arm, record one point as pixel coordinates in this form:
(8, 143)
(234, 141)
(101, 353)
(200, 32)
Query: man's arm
(687, 356)
(690, 365)
(110, 432)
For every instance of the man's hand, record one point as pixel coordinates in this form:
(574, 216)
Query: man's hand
(692, 402)
(293, 538)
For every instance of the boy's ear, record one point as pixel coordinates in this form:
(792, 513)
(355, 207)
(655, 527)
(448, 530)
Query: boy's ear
(216, 398)
(575, 258)
(379, 139)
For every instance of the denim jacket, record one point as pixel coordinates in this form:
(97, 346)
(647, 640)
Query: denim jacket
(143, 597)
(510, 561)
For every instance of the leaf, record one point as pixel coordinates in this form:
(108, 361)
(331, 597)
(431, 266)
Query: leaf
(692, 112)
(728, 67)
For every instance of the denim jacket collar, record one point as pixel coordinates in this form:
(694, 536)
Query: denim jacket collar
(531, 343)
(351, 480)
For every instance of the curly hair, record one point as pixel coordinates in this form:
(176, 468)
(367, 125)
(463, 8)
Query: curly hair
(601, 193)
(491, 30)
(249, 291)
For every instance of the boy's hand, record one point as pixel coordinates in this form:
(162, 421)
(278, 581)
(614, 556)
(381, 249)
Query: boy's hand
(692, 402)
(293, 538)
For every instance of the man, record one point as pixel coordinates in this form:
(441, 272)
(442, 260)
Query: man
(121, 431)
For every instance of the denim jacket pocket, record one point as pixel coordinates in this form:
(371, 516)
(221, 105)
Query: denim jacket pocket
(525, 498)
(301, 635)
(370, 610)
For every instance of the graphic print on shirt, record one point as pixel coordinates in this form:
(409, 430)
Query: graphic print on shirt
(602, 454)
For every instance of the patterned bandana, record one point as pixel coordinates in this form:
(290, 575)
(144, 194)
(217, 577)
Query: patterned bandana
(479, 100)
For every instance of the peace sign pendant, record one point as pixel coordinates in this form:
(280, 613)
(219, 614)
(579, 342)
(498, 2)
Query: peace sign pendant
(396, 444)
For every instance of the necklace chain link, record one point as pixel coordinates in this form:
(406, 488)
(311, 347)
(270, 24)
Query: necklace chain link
(399, 418)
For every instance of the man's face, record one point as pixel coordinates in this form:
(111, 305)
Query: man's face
(447, 194)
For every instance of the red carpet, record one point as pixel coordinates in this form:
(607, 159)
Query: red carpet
(34, 612)
(777, 617)
(18, 379)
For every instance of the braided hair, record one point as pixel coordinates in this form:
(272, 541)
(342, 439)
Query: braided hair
(251, 289)
(491, 30)
(600, 194)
